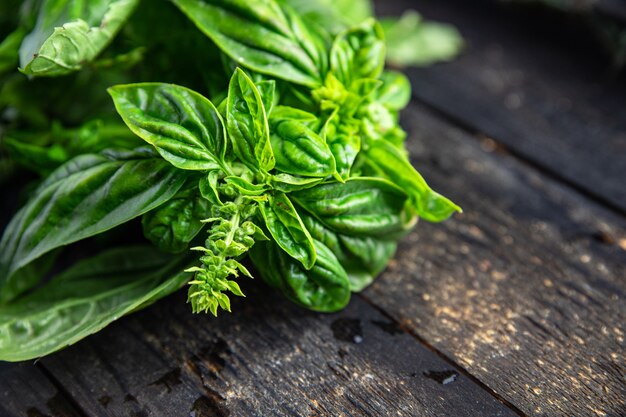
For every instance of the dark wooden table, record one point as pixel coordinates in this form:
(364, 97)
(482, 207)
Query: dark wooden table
(516, 307)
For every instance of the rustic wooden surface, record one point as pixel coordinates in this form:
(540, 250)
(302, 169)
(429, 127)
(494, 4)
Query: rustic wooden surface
(554, 104)
(268, 358)
(25, 390)
(516, 307)
(525, 290)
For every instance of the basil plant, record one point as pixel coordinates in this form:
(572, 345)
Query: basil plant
(287, 152)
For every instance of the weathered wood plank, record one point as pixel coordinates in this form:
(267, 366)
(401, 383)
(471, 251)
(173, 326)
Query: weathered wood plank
(544, 96)
(26, 392)
(268, 358)
(526, 290)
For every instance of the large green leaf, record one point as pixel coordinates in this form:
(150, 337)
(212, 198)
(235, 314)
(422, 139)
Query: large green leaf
(269, 96)
(172, 225)
(184, 127)
(358, 207)
(86, 196)
(262, 35)
(246, 123)
(286, 227)
(363, 257)
(325, 287)
(70, 33)
(344, 140)
(384, 159)
(299, 150)
(395, 91)
(288, 183)
(334, 15)
(85, 299)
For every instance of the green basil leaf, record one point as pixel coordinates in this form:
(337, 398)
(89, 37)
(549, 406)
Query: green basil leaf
(174, 224)
(335, 15)
(344, 140)
(387, 161)
(246, 123)
(395, 92)
(345, 146)
(208, 186)
(378, 122)
(267, 90)
(363, 87)
(262, 36)
(183, 126)
(86, 298)
(86, 196)
(358, 52)
(300, 151)
(70, 33)
(358, 207)
(245, 187)
(325, 287)
(363, 257)
(282, 113)
(287, 183)
(286, 227)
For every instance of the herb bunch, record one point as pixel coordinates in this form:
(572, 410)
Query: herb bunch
(292, 156)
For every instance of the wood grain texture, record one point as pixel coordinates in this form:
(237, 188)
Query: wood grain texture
(26, 392)
(541, 93)
(526, 290)
(269, 358)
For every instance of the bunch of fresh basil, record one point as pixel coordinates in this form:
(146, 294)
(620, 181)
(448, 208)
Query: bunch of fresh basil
(292, 154)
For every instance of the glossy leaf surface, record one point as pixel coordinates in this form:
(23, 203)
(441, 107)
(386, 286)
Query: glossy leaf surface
(70, 33)
(171, 226)
(267, 90)
(86, 298)
(86, 196)
(288, 183)
(344, 140)
(264, 35)
(183, 126)
(286, 227)
(247, 123)
(325, 287)
(363, 257)
(386, 160)
(359, 207)
(300, 151)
